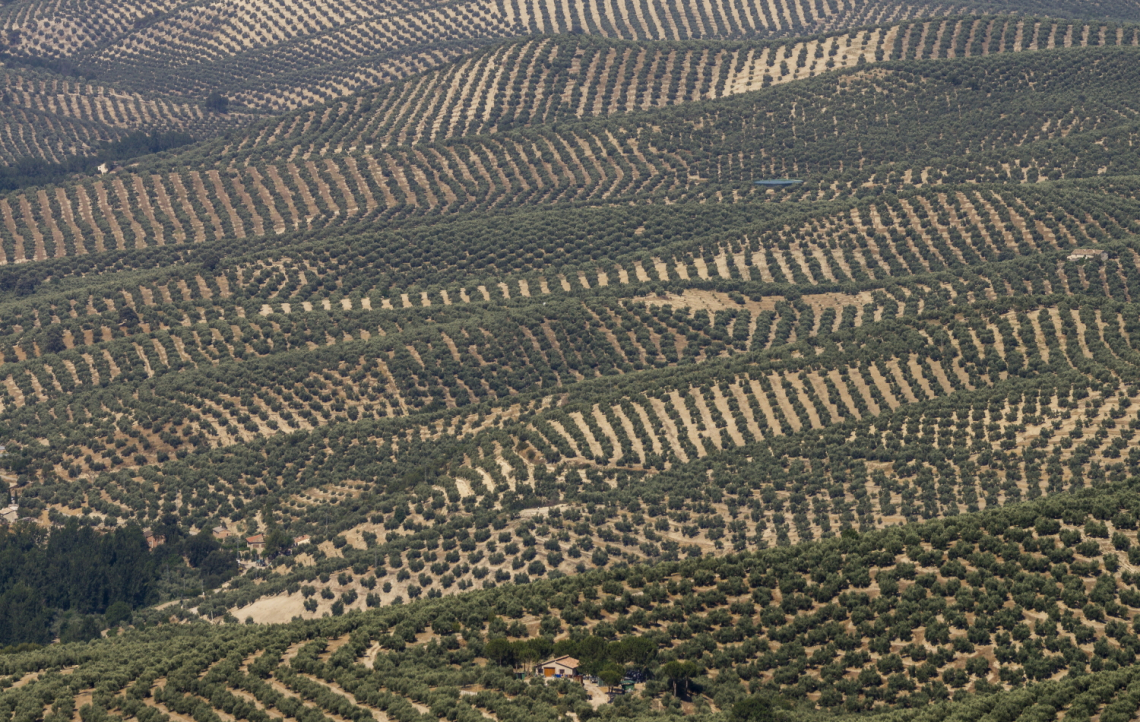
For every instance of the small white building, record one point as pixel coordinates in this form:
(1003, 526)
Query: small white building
(10, 514)
(1092, 254)
(560, 667)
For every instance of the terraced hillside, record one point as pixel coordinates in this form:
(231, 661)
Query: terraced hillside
(272, 58)
(542, 81)
(906, 618)
(514, 358)
(279, 56)
(49, 118)
(198, 196)
(370, 387)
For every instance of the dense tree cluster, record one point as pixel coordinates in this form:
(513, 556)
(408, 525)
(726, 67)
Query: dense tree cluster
(74, 570)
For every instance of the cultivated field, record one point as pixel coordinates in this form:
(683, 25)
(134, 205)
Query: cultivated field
(466, 338)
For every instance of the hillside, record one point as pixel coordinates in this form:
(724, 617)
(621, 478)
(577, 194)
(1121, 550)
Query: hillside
(54, 119)
(449, 337)
(939, 240)
(903, 618)
(295, 56)
(274, 57)
(551, 80)
(205, 195)
(494, 362)
(159, 62)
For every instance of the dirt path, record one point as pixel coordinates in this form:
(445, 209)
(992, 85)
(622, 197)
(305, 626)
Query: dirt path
(379, 715)
(785, 404)
(884, 388)
(670, 429)
(26, 679)
(761, 397)
(711, 431)
(627, 426)
(900, 379)
(821, 392)
(591, 441)
(690, 426)
(646, 424)
(721, 404)
(598, 696)
(557, 426)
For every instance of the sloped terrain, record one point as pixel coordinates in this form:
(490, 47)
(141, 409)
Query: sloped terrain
(53, 119)
(542, 81)
(496, 361)
(514, 358)
(295, 55)
(274, 56)
(904, 617)
(1050, 135)
(159, 62)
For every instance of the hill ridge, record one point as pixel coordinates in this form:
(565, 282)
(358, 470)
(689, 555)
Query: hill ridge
(164, 50)
(642, 156)
(716, 71)
(518, 356)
